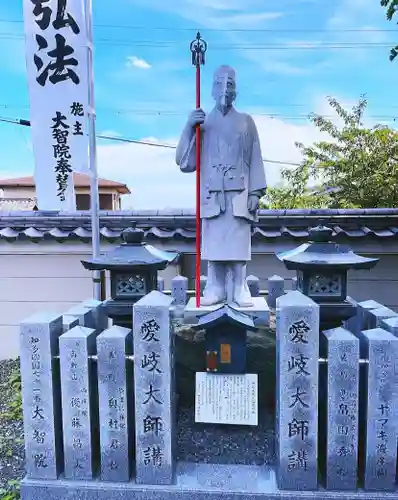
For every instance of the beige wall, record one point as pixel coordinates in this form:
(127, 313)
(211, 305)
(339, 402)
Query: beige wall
(36, 278)
(13, 192)
(18, 192)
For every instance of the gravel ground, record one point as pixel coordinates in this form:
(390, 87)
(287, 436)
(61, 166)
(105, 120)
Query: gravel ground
(226, 444)
(11, 432)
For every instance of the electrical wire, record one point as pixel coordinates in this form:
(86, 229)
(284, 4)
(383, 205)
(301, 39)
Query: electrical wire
(26, 123)
(159, 44)
(228, 30)
(168, 113)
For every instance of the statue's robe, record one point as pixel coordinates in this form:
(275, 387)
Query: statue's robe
(231, 169)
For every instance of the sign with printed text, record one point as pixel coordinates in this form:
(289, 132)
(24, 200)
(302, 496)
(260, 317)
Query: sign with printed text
(226, 399)
(56, 41)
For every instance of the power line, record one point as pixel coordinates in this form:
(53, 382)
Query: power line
(168, 113)
(295, 46)
(228, 30)
(26, 123)
(187, 109)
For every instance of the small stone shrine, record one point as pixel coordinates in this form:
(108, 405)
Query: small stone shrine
(225, 339)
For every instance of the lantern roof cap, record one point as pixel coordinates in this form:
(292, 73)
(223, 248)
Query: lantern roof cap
(132, 252)
(321, 253)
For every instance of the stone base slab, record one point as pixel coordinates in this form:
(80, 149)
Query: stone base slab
(259, 311)
(192, 482)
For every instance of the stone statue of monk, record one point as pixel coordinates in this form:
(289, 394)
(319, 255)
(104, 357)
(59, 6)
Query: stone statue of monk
(232, 180)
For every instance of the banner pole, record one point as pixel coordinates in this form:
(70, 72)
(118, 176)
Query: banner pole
(94, 194)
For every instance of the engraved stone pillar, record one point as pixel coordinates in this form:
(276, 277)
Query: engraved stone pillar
(79, 405)
(69, 322)
(342, 409)
(363, 309)
(84, 314)
(160, 284)
(382, 410)
(297, 348)
(154, 389)
(99, 312)
(254, 285)
(376, 316)
(179, 288)
(351, 324)
(40, 395)
(391, 325)
(115, 403)
(276, 288)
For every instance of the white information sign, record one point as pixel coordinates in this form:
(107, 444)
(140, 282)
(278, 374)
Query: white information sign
(56, 34)
(226, 399)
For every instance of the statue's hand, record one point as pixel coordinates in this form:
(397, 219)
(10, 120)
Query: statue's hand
(197, 117)
(253, 203)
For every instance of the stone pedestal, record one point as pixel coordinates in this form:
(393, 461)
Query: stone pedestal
(259, 311)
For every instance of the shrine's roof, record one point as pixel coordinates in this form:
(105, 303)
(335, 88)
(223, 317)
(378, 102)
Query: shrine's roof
(180, 224)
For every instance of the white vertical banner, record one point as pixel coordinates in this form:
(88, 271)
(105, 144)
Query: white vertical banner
(57, 62)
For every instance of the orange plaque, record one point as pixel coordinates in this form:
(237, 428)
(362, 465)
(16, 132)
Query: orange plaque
(225, 354)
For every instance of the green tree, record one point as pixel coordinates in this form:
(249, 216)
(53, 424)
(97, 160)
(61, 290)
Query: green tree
(286, 198)
(359, 163)
(391, 9)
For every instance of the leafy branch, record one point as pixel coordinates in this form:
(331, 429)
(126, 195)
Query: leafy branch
(391, 10)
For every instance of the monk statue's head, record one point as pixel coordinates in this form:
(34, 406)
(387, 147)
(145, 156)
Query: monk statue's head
(224, 87)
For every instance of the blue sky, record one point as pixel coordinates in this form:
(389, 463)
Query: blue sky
(144, 81)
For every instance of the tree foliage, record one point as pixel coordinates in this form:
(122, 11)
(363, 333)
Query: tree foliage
(360, 165)
(391, 9)
(286, 198)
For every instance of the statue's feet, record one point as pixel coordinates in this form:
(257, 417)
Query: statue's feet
(212, 300)
(243, 302)
(243, 299)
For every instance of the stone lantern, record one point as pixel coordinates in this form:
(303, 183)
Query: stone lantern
(133, 267)
(322, 267)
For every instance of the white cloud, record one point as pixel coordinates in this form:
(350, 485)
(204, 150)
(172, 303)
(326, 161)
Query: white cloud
(156, 182)
(249, 20)
(134, 61)
(213, 15)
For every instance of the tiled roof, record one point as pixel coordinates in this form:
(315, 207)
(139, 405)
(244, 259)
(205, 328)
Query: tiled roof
(180, 224)
(79, 180)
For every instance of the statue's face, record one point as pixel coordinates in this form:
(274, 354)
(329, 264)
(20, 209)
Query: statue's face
(224, 90)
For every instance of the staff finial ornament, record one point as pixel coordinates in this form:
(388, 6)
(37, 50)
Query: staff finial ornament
(198, 48)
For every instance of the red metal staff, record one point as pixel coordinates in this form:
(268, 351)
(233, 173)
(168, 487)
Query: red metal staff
(198, 48)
